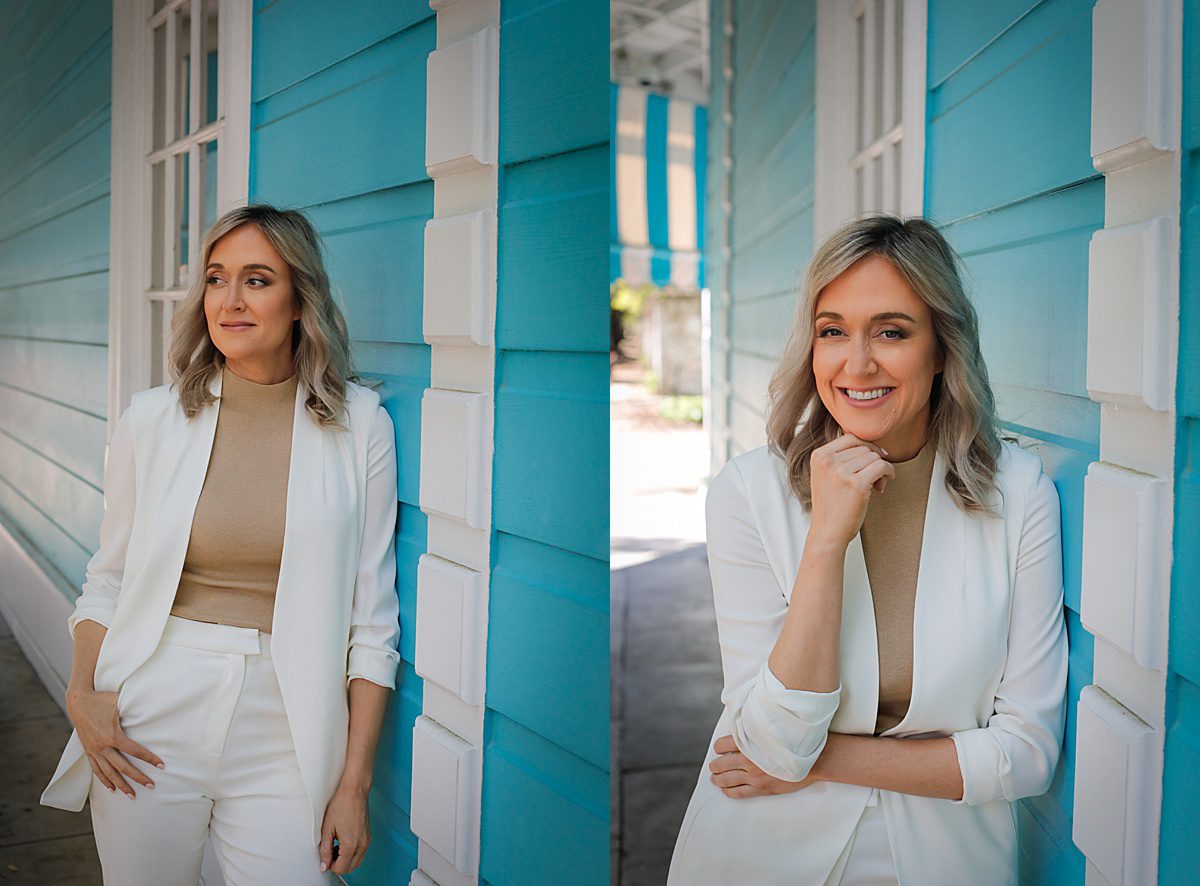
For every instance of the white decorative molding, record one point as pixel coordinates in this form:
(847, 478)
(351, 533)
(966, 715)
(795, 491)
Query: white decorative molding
(1129, 272)
(457, 427)
(1135, 86)
(1119, 757)
(454, 460)
(1128, 521)
(1126, 568)
(460, 281)
(450, 611)
(462, 87)
(445, 780)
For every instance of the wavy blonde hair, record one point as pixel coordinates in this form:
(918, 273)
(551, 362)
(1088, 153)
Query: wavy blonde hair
(320, 341)
(963, 420)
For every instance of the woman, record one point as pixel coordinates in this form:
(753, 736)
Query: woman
(235, 642)
(880, 719)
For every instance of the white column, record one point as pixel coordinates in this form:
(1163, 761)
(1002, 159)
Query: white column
(461, 132)
(1133, 335)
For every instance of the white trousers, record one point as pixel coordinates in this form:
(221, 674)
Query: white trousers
(867, 859)
(207, 702)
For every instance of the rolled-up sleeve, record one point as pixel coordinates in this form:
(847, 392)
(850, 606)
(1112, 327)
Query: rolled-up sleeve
(1015, 754)
(102, 582)
(783, 731)
(375, 614)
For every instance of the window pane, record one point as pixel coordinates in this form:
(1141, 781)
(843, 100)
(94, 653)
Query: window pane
(208, 41)
(158, 219)
(156, 343)
(158, 111)
(899, 60)
(180, 226)
(208, 184)
(183, 43)
(878, 53)
(860, 71)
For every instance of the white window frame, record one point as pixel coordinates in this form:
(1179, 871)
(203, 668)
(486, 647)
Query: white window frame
(131, 220)
(839, 114)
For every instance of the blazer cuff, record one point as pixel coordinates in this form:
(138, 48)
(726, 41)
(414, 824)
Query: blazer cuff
(979, 762)
(98, 611)
(781, 730)
(378, 666)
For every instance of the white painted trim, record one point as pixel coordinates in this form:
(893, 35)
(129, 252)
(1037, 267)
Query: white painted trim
(131, 214)
(1133, 338)
(837, 116)
(457, 430)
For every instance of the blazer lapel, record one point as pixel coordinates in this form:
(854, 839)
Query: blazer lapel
(940, 579)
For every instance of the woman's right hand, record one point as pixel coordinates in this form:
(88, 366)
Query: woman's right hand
(844, 473)
(97, 723)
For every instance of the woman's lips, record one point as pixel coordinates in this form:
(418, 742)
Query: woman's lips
(238, 328)
(865, 404)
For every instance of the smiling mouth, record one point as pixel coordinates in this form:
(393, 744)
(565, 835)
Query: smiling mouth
(866, 400)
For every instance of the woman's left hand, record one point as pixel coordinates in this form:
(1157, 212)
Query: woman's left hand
(738, 777)
(347, 818)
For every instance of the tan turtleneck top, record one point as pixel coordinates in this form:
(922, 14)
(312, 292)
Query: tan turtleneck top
(891, 535)
(232, 563)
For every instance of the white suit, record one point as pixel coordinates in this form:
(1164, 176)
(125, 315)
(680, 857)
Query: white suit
(336, 613)
(989, 670)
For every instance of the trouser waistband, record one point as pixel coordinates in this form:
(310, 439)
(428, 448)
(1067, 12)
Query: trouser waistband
(216, 637)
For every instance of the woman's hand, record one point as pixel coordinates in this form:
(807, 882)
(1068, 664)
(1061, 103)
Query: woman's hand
(347, 818)
(97, 723)
(738, 777)
(844, 473)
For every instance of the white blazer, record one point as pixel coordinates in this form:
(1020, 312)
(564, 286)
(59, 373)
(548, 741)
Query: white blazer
(989, 670)
(336, 614)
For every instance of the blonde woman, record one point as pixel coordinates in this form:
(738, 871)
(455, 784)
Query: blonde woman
(887, 574)
(236, 639)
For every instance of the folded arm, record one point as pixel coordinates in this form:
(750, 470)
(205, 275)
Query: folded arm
(777, 721)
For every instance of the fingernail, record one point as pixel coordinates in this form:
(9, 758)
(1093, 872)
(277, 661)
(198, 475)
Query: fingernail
(322, 865)
(160, 765)
(151, 785)
(111, 790)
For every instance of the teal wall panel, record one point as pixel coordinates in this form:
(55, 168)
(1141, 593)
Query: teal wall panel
(1178, 861)
(545, 765)
(337, 114)
(772, 144)
(1009, 179)
(55, 130)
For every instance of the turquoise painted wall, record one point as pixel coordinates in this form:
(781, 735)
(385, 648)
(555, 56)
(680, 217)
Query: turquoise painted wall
(1178, 862)
(338, 130)
(55, 127)
(1009, 178)
(545, 764)
(773, 137)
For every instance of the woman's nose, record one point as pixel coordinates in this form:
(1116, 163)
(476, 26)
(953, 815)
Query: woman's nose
(861, 360)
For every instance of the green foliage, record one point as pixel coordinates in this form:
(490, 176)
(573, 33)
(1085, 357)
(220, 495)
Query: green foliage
(629, 300)
(685, 407)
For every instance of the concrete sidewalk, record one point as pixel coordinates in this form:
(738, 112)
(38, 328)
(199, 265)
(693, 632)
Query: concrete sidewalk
(38, 845)
(666, 666)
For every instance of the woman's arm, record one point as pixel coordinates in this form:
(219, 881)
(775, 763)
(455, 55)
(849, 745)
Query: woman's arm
(368, 704)
(781, 729)
(924, 767)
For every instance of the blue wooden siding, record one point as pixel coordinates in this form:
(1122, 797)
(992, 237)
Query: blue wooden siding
(774, 123)
(545, 767)
(338, 130)
(1181, 780)
(1009, 178)
(55, 126)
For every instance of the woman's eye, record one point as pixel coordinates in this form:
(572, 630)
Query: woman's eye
(213, 280)
(824, 332)
(899, 334)
(257, 280)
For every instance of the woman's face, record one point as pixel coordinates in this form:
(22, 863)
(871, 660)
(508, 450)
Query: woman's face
(249, 304)
(872, 332)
